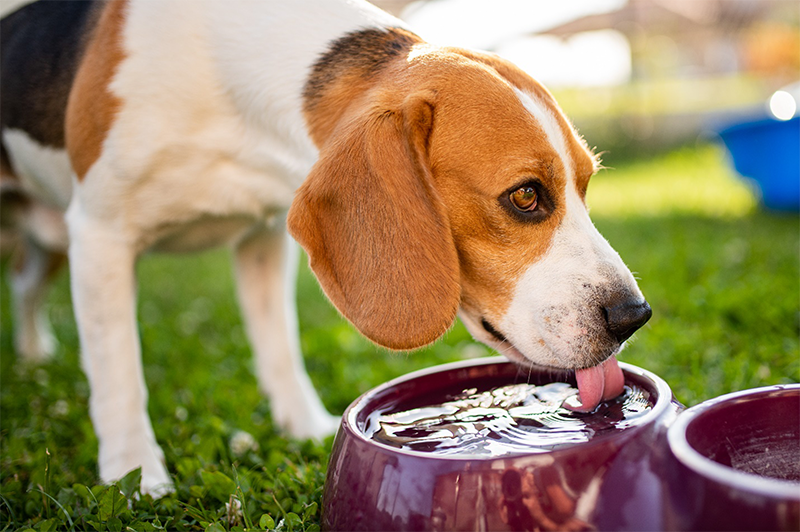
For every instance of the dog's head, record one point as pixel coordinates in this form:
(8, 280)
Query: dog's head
(451, 182)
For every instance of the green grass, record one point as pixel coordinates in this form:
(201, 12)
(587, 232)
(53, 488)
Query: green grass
(722, 277)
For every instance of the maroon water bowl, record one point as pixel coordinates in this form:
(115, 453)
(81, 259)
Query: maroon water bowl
(736, 462)
(613, 481)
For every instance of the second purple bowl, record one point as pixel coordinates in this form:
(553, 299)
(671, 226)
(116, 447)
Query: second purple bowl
(736, 462)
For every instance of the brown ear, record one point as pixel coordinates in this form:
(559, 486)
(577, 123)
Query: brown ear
(376, 231)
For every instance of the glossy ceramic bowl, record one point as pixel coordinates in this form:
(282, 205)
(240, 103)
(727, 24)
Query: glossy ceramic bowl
(611, 482)
(737, 462)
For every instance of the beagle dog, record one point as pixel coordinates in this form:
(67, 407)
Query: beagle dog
(424, 182)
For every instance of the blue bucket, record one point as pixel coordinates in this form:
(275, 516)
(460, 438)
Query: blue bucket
(768, 152)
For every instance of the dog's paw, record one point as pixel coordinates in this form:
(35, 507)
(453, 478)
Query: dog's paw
(35, 346)
(156, 485)
(148, 455)
(303, 416)
(316, 427)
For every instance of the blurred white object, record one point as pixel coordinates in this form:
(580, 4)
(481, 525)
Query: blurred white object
(9, 6)
(242, 442)
(487, 25)
(510, 28)
(595, 58)
(783, 104)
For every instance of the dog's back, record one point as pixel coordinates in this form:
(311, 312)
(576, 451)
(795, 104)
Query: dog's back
(41, 46)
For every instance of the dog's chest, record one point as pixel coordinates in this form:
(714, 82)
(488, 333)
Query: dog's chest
(204, 232)
(210, 134)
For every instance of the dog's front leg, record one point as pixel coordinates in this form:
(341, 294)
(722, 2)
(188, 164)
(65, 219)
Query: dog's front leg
(266, 270)
(102, 264)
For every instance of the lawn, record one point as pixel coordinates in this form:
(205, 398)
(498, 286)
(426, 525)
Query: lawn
(723, 279)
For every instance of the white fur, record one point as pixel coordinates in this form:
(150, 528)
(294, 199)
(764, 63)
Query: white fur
(45, 231)
(43, 172)
(546, 321)
(103, 292)
(33, 338)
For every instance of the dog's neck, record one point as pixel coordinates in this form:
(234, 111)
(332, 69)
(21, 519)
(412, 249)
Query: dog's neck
(240, 34)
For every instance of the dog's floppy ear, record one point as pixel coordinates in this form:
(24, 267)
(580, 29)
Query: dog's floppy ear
(376, 231)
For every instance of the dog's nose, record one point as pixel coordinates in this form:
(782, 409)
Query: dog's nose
(624, 319)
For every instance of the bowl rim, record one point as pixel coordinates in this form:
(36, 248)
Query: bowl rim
(746, 124)
(706, 467)
(350, 423)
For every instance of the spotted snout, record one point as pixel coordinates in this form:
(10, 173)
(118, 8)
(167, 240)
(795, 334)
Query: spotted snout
(574, 332)
(574, 308)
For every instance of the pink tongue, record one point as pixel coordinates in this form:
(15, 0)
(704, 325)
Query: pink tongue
(615, 381)
(601, 382)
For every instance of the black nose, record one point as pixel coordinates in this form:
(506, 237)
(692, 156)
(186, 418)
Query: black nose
(624, 319)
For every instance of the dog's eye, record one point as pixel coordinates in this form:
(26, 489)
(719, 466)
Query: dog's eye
(524, 199)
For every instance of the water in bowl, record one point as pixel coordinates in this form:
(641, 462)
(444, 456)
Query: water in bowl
(506, 420)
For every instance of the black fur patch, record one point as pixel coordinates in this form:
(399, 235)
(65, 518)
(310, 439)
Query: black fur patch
(41, 46)
(364, 51)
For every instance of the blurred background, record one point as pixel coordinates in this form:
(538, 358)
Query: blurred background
(636, 76)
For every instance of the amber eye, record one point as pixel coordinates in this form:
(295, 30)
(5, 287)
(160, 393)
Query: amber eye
(524, 199)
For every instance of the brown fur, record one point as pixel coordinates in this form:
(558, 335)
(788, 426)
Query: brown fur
(348, 69)
(13, 200)
(584, 162)
(6, 172)
(55, 261)
(91, 106)
(414, 158)
(372, 180)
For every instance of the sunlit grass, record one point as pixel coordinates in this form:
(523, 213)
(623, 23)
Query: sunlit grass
(664, 96)
(690, 181)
